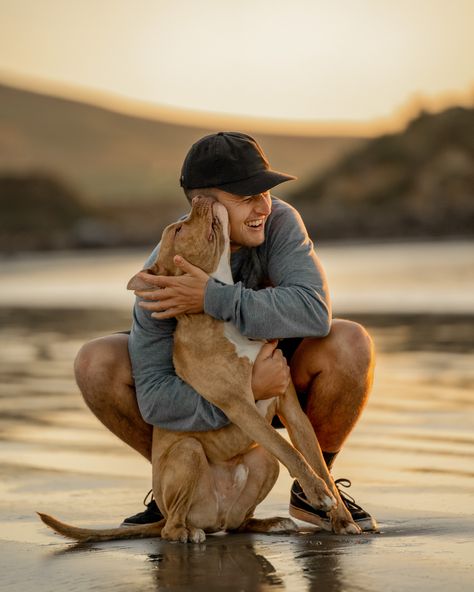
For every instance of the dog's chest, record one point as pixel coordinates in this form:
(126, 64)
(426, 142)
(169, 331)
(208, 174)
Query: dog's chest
(244, 347)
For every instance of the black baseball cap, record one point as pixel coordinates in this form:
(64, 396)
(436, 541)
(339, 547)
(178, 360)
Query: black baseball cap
(230, 161)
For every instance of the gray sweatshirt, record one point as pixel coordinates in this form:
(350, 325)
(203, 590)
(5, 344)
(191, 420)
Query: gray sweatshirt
(280, 291)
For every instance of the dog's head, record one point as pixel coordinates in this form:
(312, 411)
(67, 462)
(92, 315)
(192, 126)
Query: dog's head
(202, 239)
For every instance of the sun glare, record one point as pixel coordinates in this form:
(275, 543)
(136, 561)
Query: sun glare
(298, 61)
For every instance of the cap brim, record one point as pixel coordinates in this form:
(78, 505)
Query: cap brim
(262, 181)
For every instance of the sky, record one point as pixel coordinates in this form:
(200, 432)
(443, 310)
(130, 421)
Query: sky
(304, 62)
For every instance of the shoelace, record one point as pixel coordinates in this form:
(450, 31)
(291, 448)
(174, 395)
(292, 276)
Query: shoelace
(145, 502)
(348, 499)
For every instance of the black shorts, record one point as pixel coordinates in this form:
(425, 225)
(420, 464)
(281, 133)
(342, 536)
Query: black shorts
(289, 346)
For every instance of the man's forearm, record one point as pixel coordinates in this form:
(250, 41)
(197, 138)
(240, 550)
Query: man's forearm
(272, 313)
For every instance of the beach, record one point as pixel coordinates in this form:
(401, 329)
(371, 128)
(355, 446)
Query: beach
(409, 458)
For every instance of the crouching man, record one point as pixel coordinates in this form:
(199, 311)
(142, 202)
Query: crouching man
(280, 293)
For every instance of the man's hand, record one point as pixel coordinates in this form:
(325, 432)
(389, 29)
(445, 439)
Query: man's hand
(182, 294)
(271, 374)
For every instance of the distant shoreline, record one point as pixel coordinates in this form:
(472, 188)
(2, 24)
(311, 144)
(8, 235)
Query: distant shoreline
(449, 332)
(376, 279)
(7, 256)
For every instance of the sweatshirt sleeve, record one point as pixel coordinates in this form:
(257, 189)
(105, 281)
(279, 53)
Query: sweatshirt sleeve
(163, 398)
(297, 304)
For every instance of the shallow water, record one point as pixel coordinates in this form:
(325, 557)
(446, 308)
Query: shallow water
(409, 458)
(429, 277)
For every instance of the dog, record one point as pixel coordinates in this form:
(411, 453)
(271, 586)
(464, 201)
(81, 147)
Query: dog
(205, 482)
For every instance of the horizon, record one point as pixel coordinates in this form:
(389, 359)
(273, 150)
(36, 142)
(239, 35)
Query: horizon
(206, 119)
(302, 68)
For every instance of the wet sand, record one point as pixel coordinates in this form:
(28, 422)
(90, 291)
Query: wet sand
(410, 461)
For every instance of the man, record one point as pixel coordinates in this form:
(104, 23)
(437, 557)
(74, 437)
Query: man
(280, 293)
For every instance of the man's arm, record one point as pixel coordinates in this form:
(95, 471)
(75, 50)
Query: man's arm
(298, 305)
(167, 401)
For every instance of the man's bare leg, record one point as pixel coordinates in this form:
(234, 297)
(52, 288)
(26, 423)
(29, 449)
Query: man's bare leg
(336, 372)
(104, 376)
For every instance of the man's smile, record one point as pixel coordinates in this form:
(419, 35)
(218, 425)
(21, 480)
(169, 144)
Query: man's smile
(257, 223)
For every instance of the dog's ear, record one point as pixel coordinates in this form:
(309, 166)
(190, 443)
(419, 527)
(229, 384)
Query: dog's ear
(138, 283)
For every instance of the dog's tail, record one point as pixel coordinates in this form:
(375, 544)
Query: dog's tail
(92, 535)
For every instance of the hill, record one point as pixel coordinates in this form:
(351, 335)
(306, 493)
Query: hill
(417, 183)
(117, 176)
(109, 156)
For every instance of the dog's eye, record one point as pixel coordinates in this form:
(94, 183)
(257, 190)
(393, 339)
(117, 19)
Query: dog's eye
(177, 230)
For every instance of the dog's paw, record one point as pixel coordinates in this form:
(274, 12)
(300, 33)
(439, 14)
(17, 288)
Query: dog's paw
(181, 534)
(345, 527)
(319, 495)
(175, 534)
(196, 535)
(342, 521)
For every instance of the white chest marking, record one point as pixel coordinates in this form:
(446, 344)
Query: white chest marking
(244, 347)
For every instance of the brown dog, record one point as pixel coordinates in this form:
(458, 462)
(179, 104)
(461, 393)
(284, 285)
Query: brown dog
(213, 481)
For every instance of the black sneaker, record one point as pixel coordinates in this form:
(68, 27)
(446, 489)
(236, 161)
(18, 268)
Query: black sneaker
(300, 508)
(151, 514)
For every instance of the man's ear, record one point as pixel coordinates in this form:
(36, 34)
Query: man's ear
(138, 283)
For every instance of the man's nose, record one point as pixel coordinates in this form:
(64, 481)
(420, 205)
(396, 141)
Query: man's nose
(263, 204)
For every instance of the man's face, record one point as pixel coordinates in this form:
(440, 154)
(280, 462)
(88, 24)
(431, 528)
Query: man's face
(247, 216)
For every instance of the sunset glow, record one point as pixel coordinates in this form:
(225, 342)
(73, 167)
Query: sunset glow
(353, 64)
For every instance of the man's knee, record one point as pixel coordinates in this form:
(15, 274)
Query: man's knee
(102, 362)
(351, 339)
(348, 349)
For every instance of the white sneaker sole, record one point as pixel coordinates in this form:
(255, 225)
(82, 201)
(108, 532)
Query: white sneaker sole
(368, 524)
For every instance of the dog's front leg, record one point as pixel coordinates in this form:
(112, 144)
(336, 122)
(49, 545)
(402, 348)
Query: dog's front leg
(302, 435)
(244, 414)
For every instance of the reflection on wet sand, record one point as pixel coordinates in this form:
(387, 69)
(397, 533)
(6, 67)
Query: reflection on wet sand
(209, 566)
(241, 563)
(410, 460)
